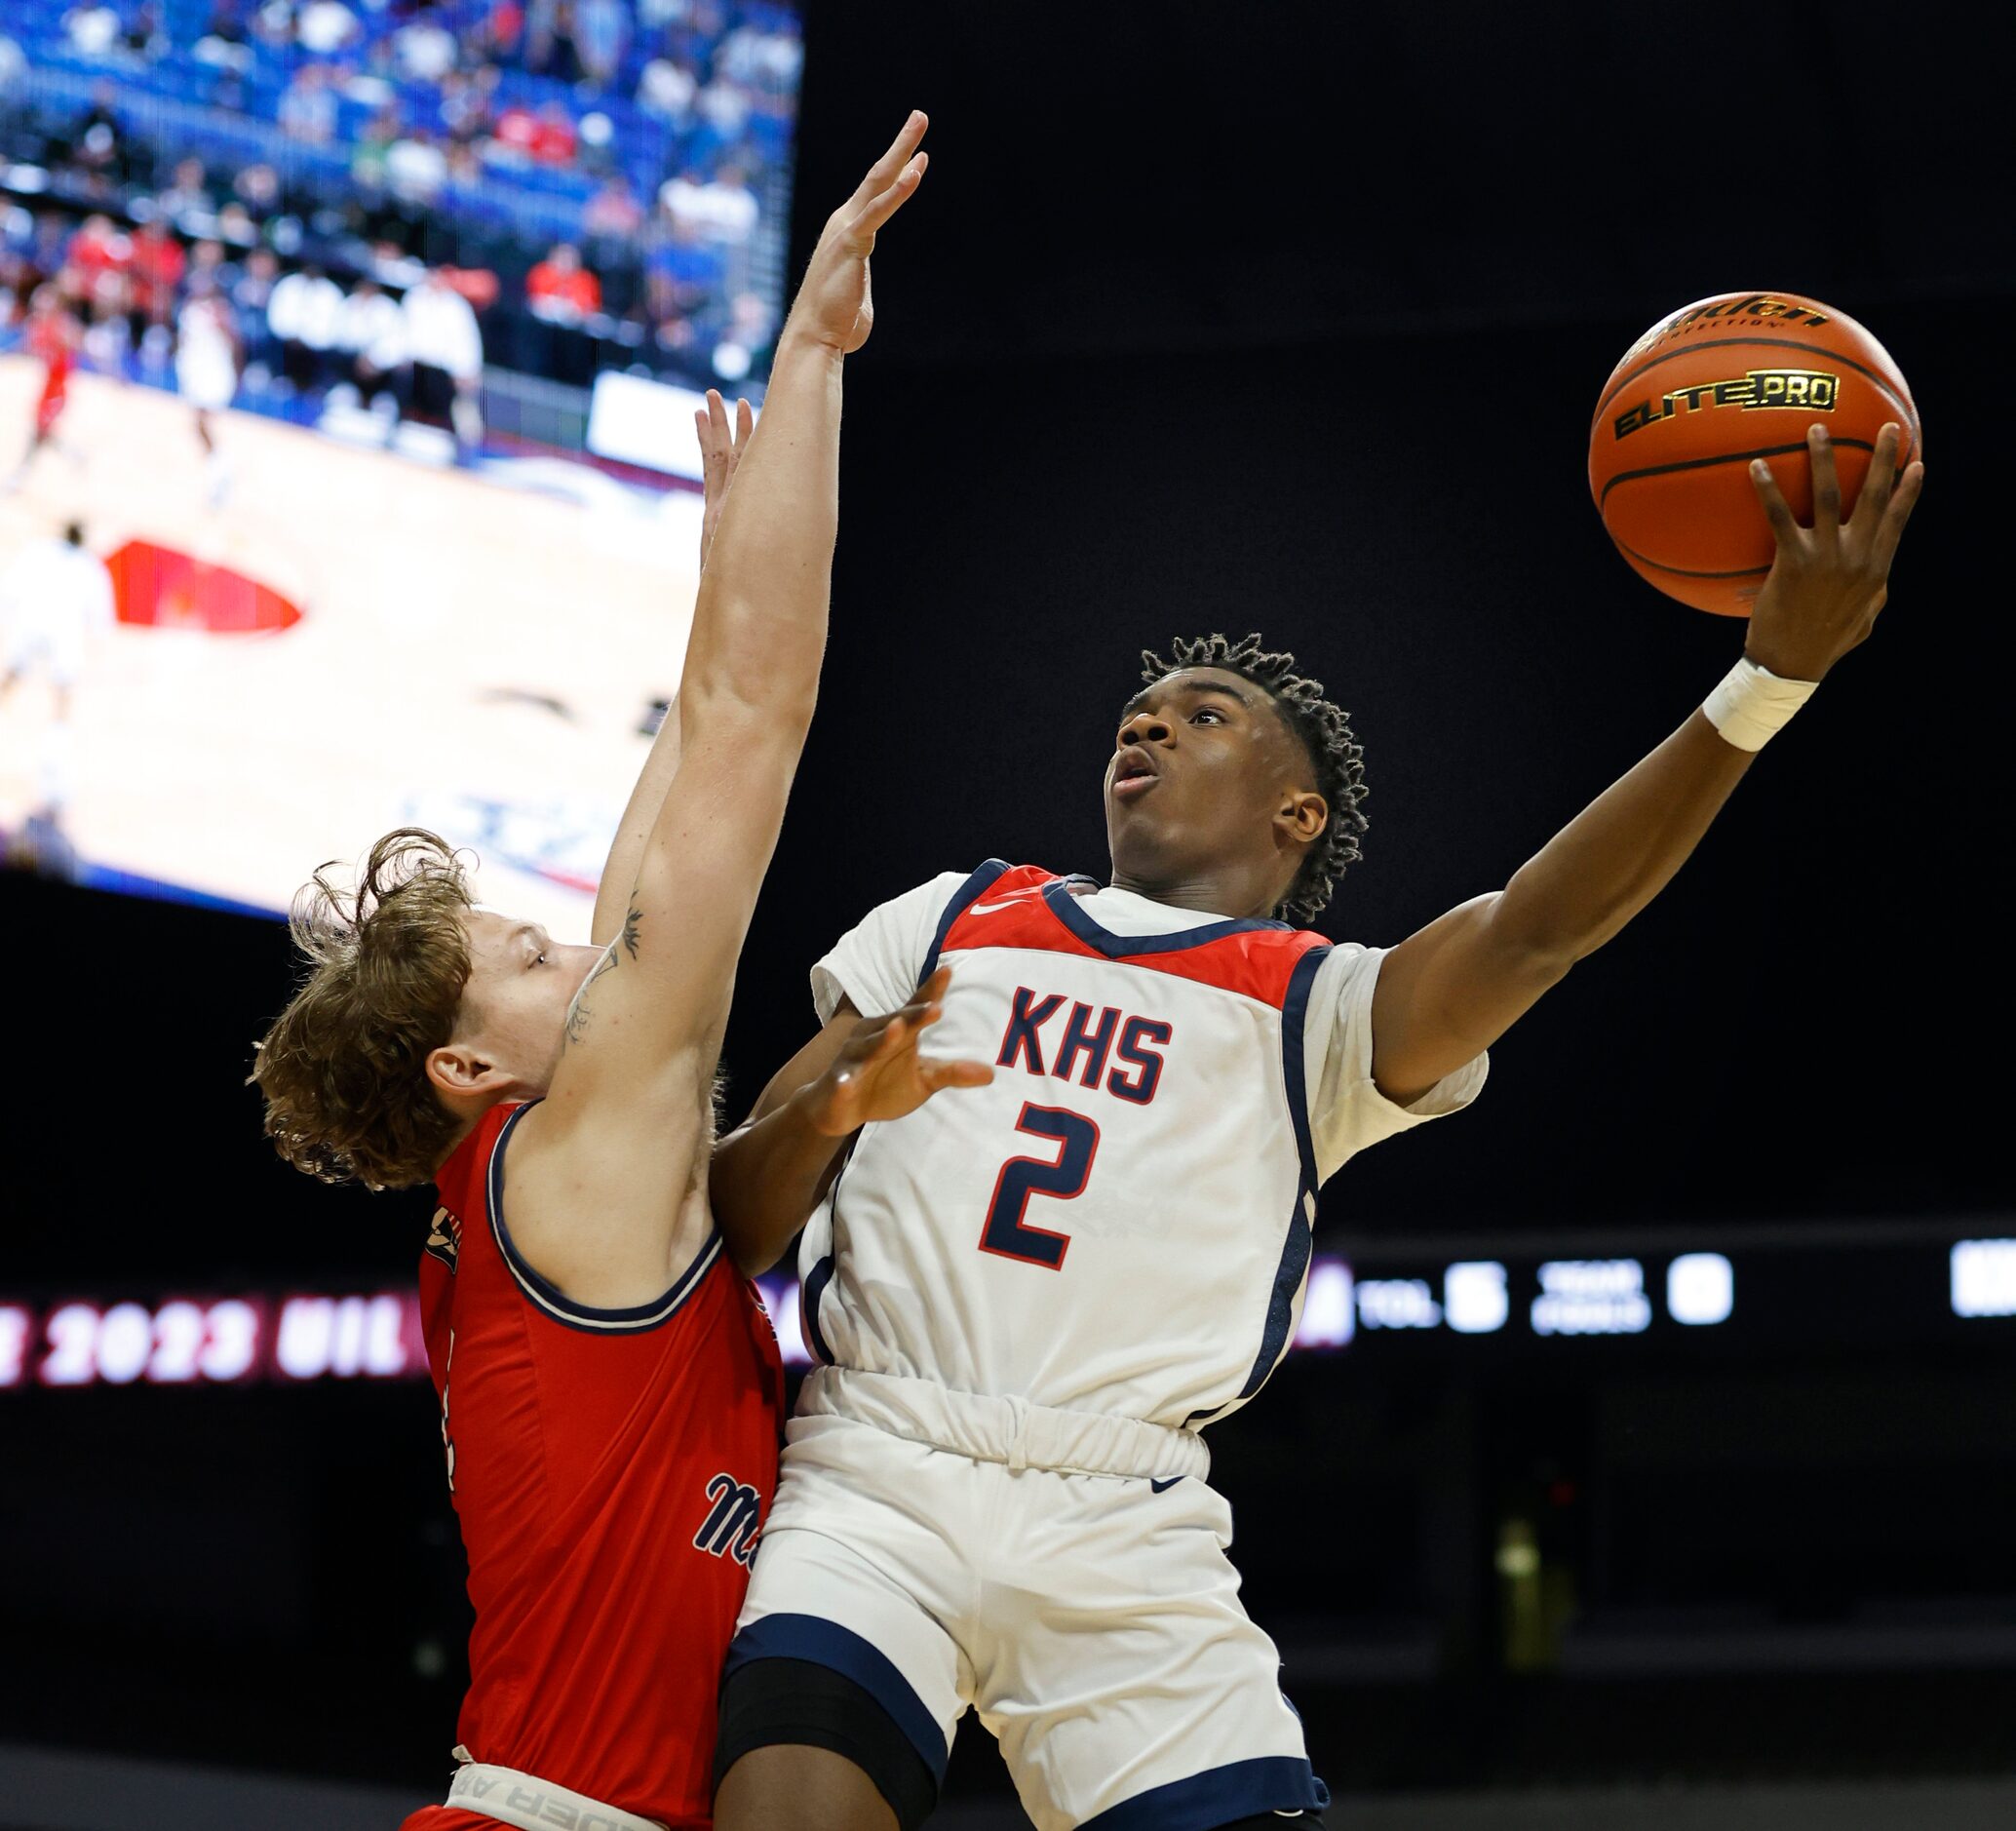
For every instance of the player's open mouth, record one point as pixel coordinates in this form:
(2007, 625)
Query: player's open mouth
(1134, 773)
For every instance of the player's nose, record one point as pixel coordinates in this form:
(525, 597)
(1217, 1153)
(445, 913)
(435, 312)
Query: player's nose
(1146, 727)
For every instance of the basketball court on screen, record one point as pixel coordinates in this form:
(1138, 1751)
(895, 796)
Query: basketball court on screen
(345, 642)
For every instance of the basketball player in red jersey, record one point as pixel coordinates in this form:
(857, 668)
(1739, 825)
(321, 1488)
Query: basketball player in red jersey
(51, 336)
(609, 1387)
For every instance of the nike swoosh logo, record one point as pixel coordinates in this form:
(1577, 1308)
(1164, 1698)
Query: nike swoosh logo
(986, 908)
(1163, 1486)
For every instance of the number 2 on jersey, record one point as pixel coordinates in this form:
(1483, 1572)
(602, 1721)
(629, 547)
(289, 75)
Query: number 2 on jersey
(1062, 1177)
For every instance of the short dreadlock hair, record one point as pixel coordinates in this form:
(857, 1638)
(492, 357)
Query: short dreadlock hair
(1324, 732)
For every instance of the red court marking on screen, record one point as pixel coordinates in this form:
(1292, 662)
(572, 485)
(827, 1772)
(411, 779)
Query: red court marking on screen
(160, 588)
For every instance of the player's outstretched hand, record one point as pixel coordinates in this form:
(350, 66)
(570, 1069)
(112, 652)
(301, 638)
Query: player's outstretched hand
(1829, 580)
(878, 1074)
(720, 450)
(835, 305)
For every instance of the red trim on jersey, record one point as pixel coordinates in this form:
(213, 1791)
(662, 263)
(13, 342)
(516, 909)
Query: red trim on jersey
(1015, 912)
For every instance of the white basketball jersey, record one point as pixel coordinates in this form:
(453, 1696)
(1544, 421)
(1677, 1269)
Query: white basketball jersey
(1121, 1221)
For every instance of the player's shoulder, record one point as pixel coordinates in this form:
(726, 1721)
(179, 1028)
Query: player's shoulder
(949, 893)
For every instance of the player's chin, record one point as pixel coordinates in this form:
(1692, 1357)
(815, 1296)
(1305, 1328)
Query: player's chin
(1137, 836)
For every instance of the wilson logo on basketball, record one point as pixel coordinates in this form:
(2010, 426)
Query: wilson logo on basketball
(1811, 389)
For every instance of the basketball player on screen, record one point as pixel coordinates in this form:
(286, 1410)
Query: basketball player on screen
(609, 1387)
(53, 337)
(1030, 1298)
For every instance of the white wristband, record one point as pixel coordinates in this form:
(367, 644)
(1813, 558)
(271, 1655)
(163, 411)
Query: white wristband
(1750, 703)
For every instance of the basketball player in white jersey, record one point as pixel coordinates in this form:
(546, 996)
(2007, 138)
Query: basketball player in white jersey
(57, 604)
(1030, 1298)
(207, 368)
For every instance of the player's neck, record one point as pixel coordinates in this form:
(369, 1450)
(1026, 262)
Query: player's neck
(1234, 892)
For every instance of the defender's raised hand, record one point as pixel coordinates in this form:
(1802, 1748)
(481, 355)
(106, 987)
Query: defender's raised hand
(878, 1074)
(720, 450)
(1829, 581)
(835, 305)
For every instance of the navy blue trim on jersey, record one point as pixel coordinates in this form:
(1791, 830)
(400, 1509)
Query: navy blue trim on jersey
(813, 1289)
(820, 1642)
(1071, 911)
(635, 1319)
(1294, 1059)
(1242, 1789)
(1300, 1243)
(971, 891)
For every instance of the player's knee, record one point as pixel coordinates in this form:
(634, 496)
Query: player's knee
(788, 1788)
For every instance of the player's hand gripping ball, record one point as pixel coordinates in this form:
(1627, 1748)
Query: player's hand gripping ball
(1704, 393)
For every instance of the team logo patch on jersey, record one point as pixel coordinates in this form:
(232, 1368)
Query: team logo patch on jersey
(730, 1529)
(444, 1237)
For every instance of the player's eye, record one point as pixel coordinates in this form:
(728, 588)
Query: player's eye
(540, 961)
(1207, 712)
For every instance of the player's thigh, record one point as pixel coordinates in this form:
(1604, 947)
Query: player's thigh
(795, 1732)
(795, 1788)
(847, 1638)
(1135, 1694)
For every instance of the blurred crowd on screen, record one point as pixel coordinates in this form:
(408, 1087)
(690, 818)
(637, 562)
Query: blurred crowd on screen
(599, 183)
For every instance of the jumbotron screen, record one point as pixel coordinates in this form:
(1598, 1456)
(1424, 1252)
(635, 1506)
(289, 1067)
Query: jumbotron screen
(347, 364)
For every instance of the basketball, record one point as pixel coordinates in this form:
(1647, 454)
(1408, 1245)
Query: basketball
(1704, 392)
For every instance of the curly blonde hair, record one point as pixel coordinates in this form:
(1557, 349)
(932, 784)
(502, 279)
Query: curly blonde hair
(344, 1068)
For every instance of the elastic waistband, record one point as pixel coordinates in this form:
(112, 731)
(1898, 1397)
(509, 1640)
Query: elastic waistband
(1007, 1431)
(534, 1805)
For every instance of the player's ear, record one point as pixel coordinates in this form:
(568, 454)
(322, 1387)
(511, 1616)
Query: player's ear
(1302, 815)
(459, 1073)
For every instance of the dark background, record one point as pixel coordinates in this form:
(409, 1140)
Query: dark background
(1287, 318)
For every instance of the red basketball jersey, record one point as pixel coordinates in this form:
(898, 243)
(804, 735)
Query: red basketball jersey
(611, 1469)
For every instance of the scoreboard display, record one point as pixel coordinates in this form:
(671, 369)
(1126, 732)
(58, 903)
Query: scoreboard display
(1895, 1284)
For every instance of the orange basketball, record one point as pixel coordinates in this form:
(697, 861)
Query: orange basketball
(1702, 392)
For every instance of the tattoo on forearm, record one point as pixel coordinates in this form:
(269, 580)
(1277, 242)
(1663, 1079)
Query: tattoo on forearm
(579, 1012)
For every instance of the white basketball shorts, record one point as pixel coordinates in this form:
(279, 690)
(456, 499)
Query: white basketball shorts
(1092, 1619)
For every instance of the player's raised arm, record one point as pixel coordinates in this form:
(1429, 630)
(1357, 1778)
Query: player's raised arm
(635, 1078)
(1449, 992)
(720, 450)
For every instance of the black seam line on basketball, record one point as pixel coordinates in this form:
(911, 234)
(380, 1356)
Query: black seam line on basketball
(1681, 571)
(1722, 457)
(1767, 343)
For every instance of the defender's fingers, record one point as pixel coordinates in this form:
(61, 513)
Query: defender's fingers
(939, 1074)
(1784, 524)
(920, 1016)
(879, 209)
(745, 424)
(873, 1043)
(1826, 482)
(1881, 481)
(713, 429)
(1890, 529)
(883, 174)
